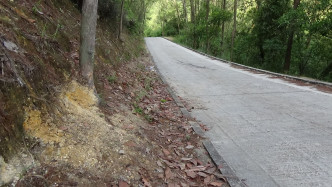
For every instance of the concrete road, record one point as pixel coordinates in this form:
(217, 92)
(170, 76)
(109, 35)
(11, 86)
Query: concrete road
(270, 132)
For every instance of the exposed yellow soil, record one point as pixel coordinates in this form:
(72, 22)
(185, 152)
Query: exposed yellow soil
(85, 140)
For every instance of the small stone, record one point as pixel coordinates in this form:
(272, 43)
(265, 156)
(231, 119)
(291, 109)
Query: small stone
(190, 147)
(10, 46)
(121, 152)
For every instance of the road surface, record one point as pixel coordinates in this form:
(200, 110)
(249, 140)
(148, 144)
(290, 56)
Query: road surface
(269, 131)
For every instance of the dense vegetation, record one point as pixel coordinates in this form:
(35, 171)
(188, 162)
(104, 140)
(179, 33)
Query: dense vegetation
(288, 36)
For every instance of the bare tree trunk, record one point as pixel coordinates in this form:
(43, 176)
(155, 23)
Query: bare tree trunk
(207, 25)
(192, 11)
(185, 11)
(222, 30)
(234, 29)
(193, 19)
(162, 28)
(121, 20)
(288, 54)
(178, 15)
(87, 43)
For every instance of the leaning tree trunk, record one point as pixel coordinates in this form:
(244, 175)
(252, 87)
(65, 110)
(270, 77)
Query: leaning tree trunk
(288, 54)
(234, 29)
(87, 43)
(222, 29)
(121, 20)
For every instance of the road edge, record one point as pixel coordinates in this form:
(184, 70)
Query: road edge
(316, 82)
(218, 160)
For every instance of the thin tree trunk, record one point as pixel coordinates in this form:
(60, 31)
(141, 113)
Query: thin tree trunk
(288, 54)
(178, 15)
(192, 11)
(197, 6)
(121, 20)
(193, 20)
(185, 11)
(162, 28)
(234, 29)
(144, 13)
(207, 25)
(87, 42)
(222, 30)
(260, 39)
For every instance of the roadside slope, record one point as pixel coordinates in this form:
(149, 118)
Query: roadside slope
(54, 132)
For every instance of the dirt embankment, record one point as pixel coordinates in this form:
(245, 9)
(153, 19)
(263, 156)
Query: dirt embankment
(53, 131)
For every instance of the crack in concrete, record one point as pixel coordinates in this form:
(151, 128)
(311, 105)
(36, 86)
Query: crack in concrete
(192, 65)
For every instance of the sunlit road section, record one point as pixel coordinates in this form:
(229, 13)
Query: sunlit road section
(269, 131)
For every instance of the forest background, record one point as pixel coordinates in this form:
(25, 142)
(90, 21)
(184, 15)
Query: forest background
(285, 36)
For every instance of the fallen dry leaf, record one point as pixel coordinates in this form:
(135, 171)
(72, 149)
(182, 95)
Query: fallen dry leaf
(22, 14)
(194, 161)
(202, 174)
(199, 162)
(123, 184)
(207, 180)
(130, 144)
(173, 185)
(189, 165)
(168, 173)
(186, 159)
(129, 127)
(169, 164)
(198, 168)
(182, 166)
(220, 176)
(210, 170)
(191, 174)
(217, 184)
(184, 184)
(166, 152)
(159, 164)
(146, 182)
(203, 127)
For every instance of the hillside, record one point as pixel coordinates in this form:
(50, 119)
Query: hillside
(56, 132)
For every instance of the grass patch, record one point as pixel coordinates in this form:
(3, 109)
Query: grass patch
(112, 79)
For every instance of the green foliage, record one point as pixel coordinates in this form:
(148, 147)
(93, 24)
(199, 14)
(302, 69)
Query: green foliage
(110, 10)
(112, 79)
(140, 111)
(218, 15)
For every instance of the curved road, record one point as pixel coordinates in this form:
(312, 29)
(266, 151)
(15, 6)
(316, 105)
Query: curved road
(270, 132)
